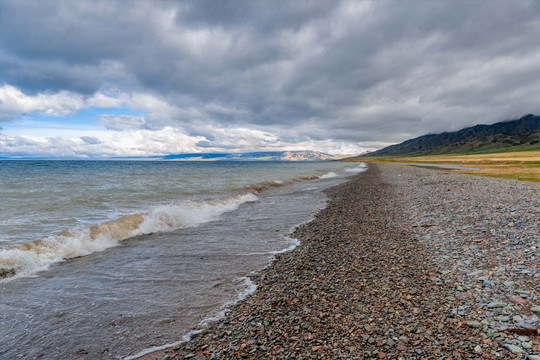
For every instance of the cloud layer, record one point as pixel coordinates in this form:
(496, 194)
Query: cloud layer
(253, 75)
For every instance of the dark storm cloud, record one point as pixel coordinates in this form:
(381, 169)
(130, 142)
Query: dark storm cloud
(355, 71)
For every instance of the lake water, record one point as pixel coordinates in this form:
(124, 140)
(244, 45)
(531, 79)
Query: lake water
(107, 259)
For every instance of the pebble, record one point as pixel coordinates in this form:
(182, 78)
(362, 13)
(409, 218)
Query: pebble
(494, 305)
(474, 324)
(348, 290)
(513, 348)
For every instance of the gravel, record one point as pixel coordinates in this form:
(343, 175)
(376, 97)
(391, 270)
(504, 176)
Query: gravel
(403, 263)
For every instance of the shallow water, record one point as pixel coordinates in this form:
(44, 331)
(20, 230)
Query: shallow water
(151, 289)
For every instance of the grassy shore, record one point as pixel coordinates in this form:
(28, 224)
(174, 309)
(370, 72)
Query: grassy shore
(522, 165)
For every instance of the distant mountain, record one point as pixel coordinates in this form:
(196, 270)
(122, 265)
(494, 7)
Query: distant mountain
(254, 156)
(520, 134)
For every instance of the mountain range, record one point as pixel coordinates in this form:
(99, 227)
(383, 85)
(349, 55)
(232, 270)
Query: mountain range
(254, 156)
(520, 134)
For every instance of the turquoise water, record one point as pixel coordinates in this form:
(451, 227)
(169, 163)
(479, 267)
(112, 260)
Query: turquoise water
(104, 259)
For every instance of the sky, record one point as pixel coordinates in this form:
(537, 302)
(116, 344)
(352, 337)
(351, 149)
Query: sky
(100, 79)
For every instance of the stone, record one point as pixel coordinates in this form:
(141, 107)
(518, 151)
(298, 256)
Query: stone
(496, 304)
(404, 339)
(535, 309)
(413, 291)
(474, 324)
(513, 348)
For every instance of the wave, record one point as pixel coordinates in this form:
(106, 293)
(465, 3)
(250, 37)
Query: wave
(328, 175)
(357, 169)
(28, 258)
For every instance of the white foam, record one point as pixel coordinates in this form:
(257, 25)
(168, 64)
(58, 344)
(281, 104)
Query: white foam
(328, 175)
(29, 258)
(357, 169)
(293, 244)
(189, 213)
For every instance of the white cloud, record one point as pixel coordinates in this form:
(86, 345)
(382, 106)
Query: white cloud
(139, 143)
(145, 143)
(14, 102)
(101, 100)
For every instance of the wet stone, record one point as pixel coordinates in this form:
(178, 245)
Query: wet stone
(474, 324)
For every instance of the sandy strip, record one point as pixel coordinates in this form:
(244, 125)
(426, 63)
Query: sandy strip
(403, 263)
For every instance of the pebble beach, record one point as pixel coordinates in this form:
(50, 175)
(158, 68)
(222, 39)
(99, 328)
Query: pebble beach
(403, 263)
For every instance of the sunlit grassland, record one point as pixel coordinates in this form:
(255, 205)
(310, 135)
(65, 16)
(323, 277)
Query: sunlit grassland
(522, 165)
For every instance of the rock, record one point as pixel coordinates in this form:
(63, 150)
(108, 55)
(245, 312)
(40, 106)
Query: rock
(533, 357)
(513, 348)
(517, 300)
(502, 318)
(523, 293)
(474, 324)
(536, 309)
(176, 346)
(413, 291)
(404, 339)
(526, 345)
(496, 304)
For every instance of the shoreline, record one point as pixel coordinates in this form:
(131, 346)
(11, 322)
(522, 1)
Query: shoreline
(381, 272)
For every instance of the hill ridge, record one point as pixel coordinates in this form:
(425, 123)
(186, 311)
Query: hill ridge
(521, 133)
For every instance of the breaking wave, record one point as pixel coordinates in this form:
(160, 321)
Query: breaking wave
(28, 258)
(357, 169)
(328, 175)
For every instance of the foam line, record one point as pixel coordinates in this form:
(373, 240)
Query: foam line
(28, 258)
